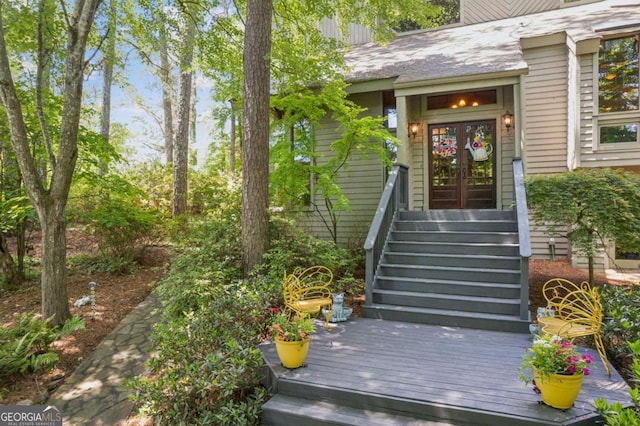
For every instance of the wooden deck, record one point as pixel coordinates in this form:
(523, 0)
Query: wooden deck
(378, 372)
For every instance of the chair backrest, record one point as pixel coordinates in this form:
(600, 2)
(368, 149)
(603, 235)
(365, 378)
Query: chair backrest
(295, 284)
(576, 303)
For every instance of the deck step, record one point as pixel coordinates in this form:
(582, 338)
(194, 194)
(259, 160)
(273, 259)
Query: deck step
(444, 317)
(293, 411)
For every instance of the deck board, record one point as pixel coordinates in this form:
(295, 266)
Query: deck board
(474, 370)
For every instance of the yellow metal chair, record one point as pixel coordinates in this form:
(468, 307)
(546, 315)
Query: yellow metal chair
(577, 313)
(306, 291)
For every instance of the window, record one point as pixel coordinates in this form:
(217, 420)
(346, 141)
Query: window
(391, 123)
(618, 92)
(462, 99)
(301, 145)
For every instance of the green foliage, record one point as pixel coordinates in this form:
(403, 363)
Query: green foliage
(155, 180)
(25, 344)
(622, 319)
(111, 208)
(290, 248)
(616, 415)
(296, 162)
(294, 328)
(14, 210)
(588, 207)
(207, 368)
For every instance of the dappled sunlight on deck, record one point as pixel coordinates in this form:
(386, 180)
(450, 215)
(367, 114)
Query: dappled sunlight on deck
(446, 374)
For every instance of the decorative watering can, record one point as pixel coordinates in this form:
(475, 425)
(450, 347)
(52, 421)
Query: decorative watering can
(478, 151)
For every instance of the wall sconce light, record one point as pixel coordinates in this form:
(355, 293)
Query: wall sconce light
(413, 129)
(508, 120)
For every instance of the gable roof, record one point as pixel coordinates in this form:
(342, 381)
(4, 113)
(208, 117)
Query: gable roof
(485, 48)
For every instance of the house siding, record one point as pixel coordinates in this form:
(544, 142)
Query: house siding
(546, 110)
(361, 181)
(476, 11)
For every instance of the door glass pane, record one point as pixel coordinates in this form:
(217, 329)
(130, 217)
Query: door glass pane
(444, 154)
(479, 148)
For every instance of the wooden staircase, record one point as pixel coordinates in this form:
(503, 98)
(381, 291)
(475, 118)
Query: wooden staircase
(458, 268)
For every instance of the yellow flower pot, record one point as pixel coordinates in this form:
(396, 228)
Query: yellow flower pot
(292, 354)
(559, 390)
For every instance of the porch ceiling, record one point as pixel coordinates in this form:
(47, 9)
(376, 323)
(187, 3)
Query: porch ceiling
(485, 48)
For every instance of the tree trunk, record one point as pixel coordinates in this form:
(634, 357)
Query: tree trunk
(255, 141)
(7, 265)
(181, 152)
(107, 77)
(55, 304)
(167, 107)
(232, 144)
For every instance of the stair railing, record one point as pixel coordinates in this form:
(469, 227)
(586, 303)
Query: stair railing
(524, 236)
(394, 197)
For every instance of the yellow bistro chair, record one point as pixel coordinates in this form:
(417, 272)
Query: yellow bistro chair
(306, 291)
(577, 313)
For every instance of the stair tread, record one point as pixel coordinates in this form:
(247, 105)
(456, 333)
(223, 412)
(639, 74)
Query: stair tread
(495, 220)
(450, 268)
(440, 231)
(331, 413)
(449, 296)
(448, 312)
(455, 243)
(427, 281)
(451, 255)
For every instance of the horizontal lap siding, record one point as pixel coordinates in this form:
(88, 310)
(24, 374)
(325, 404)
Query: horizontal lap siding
(474, 11)
(545, 106)
(360, 181)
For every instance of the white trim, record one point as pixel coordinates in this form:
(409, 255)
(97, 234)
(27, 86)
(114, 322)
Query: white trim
(458, 84)
(611, 118)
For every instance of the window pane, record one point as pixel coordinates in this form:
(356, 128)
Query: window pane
(462, 99)
(619, 134)
(618, 75)
(389, 109)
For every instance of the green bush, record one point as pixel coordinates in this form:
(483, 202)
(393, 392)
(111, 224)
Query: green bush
(115, 213)
(622, 321)
(291, 248)
(207, 369)
(616, 415)
(25, 344)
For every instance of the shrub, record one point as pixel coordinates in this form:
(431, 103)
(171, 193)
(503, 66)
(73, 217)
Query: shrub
(112, 209)
(622, 320)
(25, 344)
(290, 248)
(616, 415)
(207, 369)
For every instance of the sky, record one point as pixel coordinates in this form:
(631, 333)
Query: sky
(131, 107)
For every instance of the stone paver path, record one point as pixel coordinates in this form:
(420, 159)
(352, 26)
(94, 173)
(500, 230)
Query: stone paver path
(95, 393)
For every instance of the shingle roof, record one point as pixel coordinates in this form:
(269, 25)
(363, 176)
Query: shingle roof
(488, 47)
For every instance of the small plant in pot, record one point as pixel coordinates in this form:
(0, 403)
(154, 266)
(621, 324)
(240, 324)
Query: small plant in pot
(292, 333)
(558, 369)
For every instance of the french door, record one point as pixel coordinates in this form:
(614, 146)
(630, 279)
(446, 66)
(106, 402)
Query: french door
(462, 165)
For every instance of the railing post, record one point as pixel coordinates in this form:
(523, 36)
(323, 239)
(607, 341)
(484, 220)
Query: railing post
(394, 196)
(524, 236)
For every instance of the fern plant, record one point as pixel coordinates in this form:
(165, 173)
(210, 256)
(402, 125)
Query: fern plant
(25, 345)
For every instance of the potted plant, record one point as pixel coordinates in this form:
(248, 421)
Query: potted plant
(292, 334)
(558, 369)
